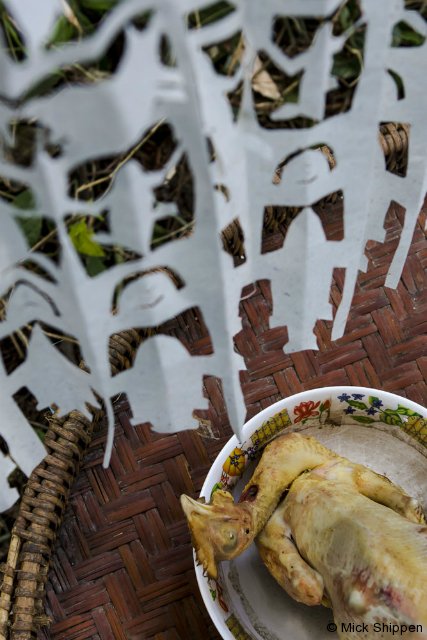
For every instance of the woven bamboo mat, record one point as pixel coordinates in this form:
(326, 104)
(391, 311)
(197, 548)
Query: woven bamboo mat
(123, 567)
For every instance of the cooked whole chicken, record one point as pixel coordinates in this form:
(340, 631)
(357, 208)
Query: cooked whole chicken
(342, 535)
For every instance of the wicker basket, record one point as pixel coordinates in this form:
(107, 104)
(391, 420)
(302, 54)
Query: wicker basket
(43, 505)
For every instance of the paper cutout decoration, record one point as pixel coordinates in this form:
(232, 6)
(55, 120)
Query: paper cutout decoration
(107, 117)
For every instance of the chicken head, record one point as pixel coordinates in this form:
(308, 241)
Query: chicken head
(220, 531)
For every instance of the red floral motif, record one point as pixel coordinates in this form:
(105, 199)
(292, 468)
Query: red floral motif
(306, 410)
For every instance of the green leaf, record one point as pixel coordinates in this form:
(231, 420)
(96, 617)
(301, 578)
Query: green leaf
(24, 200)
(81, 237)
(63, 31)
(363, 419)
(345, 18)
(373, 399)
(210, 14)
(31, 228)
(399, 84)
(14, 39)
(357, 404)
(98, 5)
(404, 411)
(215, 488)
(405, 36)
(94, 265)
(41, 433)
(389, 418)
(348, 14)
(45, 85)
(345, 67)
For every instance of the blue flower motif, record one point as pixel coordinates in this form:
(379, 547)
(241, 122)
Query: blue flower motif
(358, 396)
(349, 410)
(252, 452)
(371, 411)
(344, 397)
(377, 403)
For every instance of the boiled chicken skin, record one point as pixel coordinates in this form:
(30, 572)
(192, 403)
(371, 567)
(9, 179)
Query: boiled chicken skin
(343, 536)
(329, 542)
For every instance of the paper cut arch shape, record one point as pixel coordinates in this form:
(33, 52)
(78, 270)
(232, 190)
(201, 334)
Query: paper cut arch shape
(310, 172)
(165, 371)
(308, 165)
(152, 298)
(27, 303)
(61, 382)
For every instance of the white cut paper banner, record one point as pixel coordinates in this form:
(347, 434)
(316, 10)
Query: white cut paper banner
(110, 116)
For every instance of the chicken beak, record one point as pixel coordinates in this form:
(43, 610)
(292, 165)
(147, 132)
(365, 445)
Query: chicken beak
(191, 506)
(199, 532)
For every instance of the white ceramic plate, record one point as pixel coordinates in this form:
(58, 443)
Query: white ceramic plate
(378, 429)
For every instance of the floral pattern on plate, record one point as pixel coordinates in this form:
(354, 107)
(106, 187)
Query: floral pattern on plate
(368, 410)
